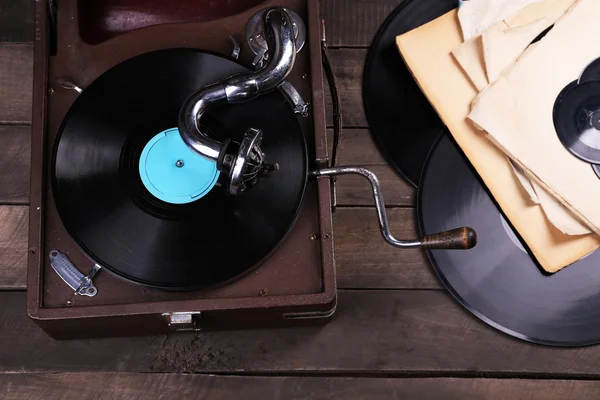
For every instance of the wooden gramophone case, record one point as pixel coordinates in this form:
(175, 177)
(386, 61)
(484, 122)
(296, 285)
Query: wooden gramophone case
(80, 40)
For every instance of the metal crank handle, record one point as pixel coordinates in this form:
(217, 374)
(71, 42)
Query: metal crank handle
(461, 238)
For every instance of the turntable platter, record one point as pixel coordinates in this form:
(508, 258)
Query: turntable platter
(110, 212)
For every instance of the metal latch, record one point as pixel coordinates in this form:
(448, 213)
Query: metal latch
(81, 284)
(184, 321)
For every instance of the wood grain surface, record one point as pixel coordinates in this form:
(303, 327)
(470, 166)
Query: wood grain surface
(396, 333)
(15, 145)
(354, 190)
(357, 147)
(347, 64)
(374, 333)
(16, 21)
(16, 68)
(365, 260)
(110, 386)
(13, 246)
(353, 23)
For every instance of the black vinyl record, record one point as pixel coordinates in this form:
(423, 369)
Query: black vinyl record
(577, 120)
(591, 72)
(402, 121)
(106, 208)
(498, 281)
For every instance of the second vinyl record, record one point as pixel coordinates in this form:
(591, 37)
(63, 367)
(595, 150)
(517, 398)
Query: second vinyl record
(497, 280)
(402, 121)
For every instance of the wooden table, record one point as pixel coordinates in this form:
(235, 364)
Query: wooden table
(396, 333)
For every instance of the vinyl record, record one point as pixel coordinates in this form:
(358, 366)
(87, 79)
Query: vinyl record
(596, 169)
(118, 222)
(577, 120)
(497, 280)
(591, 72)
(402, 121)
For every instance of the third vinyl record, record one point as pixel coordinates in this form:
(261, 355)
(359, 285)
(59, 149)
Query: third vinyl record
(498, 281)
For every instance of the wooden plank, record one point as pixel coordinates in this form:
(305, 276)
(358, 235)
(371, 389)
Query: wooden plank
(83, 386)
(347, 65)
(16, 69)
(357, 147)
(365, 260)
(16, 21)
(15, 142)
(389, 332)
(354, 190)
(13, 246)
(354, 23)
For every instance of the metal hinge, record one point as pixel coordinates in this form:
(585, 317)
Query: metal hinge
(184, 321)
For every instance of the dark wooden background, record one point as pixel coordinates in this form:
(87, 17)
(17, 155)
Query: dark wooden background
(396, 334)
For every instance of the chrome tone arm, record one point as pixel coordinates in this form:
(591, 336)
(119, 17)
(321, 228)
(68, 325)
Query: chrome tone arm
(240, 88)
(300, 106)
(461, 238)
(244, 87)
(189, 121)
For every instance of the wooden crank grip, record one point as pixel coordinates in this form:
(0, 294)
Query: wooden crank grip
(460, 239)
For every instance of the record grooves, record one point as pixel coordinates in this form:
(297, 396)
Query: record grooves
(498, 280)
(402, 121)
(112, 216)
(577, 120)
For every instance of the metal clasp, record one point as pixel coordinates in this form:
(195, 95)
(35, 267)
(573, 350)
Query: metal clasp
(184, 321)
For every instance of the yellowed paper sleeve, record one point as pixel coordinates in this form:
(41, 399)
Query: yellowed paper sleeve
(488, 55)
(470, 57)
(451, 93)
(558, 215)
(485, 56)
(476, 16)
(517, 111)
(501, 47)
